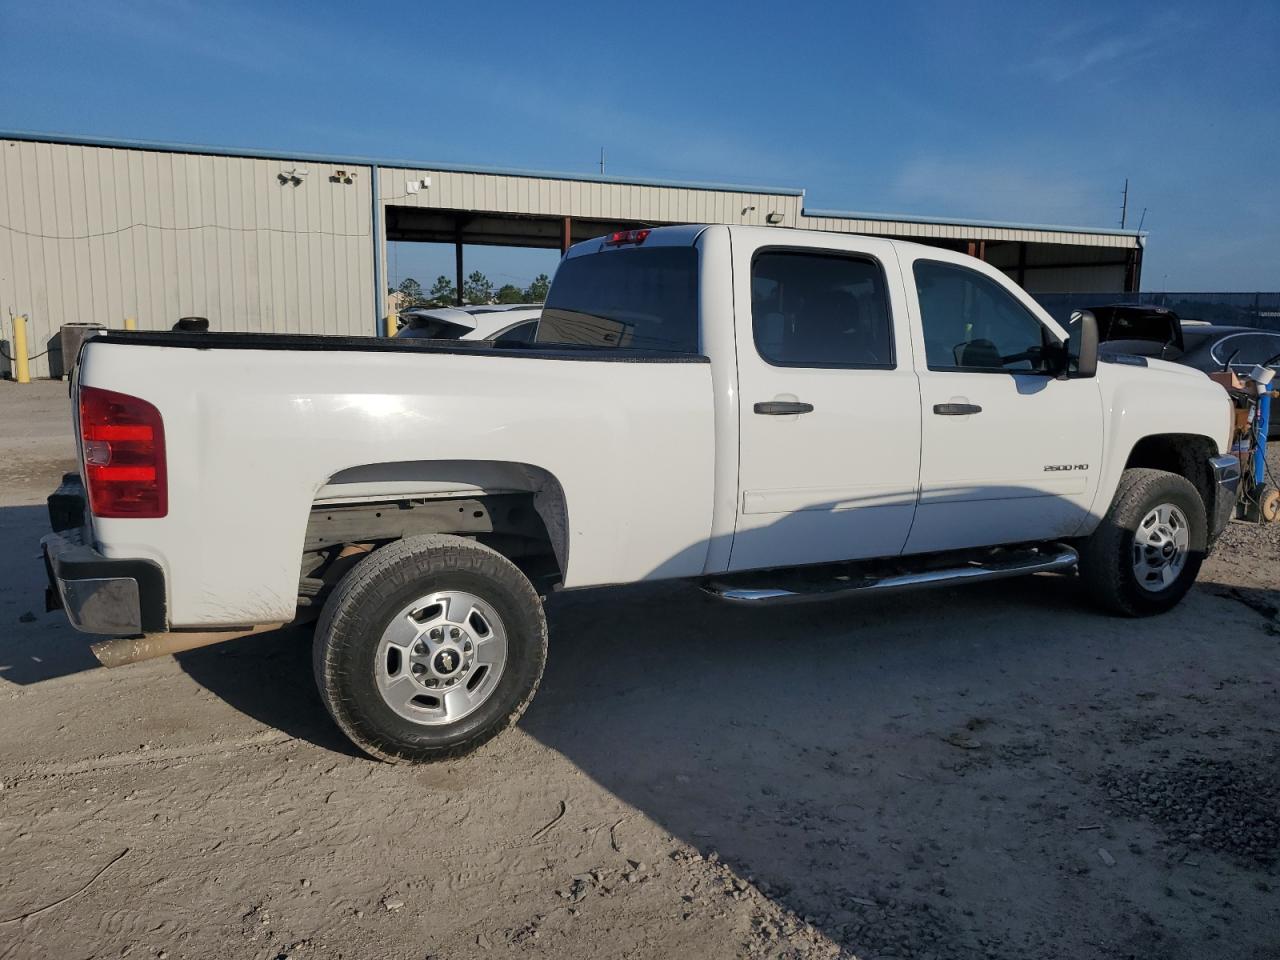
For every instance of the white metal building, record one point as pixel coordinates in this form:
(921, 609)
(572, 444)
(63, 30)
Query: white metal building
(97, 230)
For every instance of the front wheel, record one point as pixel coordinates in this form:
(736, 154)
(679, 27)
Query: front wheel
(429, 648)
(1146, 552)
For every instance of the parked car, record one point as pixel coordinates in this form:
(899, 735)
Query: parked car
(1158, 332)
(779, 415)
(503, 322)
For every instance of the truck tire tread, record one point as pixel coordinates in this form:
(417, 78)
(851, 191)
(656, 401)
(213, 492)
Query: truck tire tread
(401, 565)
(1106, 569)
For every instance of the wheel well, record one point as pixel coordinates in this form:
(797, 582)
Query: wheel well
(1185, 454)
(516, 509)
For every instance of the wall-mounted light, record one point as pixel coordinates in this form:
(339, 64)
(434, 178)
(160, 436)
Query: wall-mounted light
(774, 217)
(294, 177)
(342, 176)
(413, 186)
(746, 210)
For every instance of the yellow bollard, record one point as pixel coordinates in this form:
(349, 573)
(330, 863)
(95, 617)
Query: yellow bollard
(21, 362)
(130, 323)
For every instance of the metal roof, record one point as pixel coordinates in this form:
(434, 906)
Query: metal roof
(215, 151)
(953, 221)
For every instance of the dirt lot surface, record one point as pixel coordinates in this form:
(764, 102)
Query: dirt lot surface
(992, 772)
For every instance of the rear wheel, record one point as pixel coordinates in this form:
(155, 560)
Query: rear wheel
(1146, 553)
(429, 648)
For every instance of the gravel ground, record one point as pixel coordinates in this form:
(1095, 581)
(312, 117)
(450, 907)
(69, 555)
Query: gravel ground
(993, 772)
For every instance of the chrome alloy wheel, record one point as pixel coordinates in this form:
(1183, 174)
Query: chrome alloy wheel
(441, 657)
(1160, 547)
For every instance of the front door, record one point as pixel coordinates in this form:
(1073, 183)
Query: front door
(1008, 451)
(829, 405)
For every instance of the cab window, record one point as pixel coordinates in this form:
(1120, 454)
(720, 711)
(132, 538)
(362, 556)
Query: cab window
(972, 324)
(630, 299)
(820, 310)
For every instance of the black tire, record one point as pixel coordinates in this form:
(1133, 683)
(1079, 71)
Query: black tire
(1106, 556)
(364, 603)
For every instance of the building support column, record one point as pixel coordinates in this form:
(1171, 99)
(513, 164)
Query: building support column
(566, 235)
(1133, 270)
(1022, 265)
(378, 233)
(457, 254)
(978, 248)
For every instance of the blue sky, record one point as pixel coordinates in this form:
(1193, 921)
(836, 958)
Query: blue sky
(1022, 111)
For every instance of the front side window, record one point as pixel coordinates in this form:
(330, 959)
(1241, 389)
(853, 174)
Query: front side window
(820, 310)
(971, 323)
(638, 299)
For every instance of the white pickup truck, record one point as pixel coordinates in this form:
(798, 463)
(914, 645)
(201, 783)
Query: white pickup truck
(780, 415)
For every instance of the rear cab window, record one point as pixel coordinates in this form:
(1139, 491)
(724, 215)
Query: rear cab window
(629, 299)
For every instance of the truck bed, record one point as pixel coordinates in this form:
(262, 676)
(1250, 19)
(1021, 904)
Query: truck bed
(318, 342)
(256, 437)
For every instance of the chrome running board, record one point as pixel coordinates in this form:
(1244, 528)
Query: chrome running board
(756, 588)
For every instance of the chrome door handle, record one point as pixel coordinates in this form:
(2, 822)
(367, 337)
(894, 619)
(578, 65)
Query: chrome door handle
(782, 408)
(955, 409)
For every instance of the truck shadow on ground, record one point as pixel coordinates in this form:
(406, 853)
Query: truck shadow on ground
(879, 765)
(269, 677)
(34, 645)
(806, 746)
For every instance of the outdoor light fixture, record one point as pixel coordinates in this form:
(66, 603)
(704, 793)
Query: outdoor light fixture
(774, 217)
(291, 177)
(342, 176)
(413, 186)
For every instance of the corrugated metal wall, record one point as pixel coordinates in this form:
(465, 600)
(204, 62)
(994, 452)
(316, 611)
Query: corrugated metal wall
(101, 234)
(592, 200)
(835, 223)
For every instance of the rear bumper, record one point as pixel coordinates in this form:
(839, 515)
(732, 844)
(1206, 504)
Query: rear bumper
(116, 597)
(1226, 489)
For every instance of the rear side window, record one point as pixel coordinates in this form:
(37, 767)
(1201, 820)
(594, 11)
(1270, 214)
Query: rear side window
(820, 310)
(640, 299)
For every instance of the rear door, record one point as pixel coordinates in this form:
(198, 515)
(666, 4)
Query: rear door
(829, 403)
(1008, 452)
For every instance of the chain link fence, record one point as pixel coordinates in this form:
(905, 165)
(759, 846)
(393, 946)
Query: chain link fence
(1226, 309)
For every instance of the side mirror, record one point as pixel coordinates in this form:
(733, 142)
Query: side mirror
(1083, 345)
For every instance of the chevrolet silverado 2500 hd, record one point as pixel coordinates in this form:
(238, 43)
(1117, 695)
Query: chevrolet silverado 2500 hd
(777, 414)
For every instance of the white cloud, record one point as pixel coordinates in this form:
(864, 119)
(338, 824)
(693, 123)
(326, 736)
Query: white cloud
(1099, 49)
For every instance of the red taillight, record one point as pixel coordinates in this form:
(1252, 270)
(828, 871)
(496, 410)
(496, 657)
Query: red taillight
(123, 439)
(620, 237)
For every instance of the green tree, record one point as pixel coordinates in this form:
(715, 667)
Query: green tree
(443, 293)
(537, 291)
(510, 293)
(478, 289)
(411, 290)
